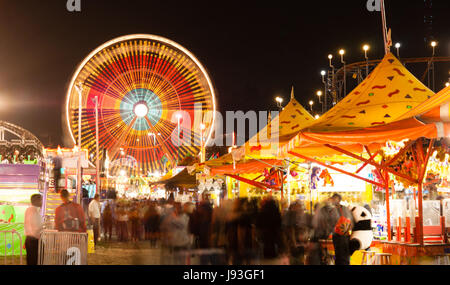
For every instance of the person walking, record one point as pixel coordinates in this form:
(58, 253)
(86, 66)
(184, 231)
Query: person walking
(269, 226)
(201, 227)
(107, 217)
(135, 223)
(122, 223)
(69, 216)
(94, 216)
(341, 235)
(33, 227)
(152, 221)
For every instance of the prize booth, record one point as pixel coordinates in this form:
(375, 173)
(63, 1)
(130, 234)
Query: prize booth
(391, 125)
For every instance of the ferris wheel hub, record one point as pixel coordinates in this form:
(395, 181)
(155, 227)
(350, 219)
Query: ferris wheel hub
(141, 109)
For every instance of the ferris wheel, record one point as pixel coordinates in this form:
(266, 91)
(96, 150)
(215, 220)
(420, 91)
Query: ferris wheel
(148, 88)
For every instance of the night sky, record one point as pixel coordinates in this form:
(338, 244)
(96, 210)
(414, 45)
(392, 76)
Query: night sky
(253, 50)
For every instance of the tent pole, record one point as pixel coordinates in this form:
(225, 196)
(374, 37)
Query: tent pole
(335, 168)
(384, 167)
(388, 210)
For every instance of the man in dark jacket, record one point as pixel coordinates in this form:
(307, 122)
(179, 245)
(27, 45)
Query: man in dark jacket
(340, 242)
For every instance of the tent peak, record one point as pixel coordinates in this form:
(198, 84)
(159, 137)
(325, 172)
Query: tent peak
(292, 92)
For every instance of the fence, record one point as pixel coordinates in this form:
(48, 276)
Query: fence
(9, 243)
(62, 248)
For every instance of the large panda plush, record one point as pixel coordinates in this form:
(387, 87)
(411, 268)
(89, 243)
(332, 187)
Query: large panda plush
(362, 234)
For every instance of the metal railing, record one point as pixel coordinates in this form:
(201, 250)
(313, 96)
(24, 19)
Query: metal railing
(62, 248)
(12, 232)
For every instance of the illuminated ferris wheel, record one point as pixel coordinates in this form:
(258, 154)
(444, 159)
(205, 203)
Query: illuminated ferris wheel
(148, 89)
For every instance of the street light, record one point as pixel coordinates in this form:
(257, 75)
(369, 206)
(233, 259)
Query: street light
(447, 84)
(397, 46)
(330, 57)
(323, 73)
(366, 48)
(311, 103)
(154, 137)
(316, 116)
(319, 93)
(433, 45)
(279, 101)
(342, 52)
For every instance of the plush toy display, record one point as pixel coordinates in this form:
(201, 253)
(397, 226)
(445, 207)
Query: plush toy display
(325, 175)
(362, 234)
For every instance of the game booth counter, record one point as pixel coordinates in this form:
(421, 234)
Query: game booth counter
(17, 183)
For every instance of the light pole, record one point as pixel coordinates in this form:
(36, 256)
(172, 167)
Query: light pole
(178, 148)
(79, 88)
(279, 101)
(342, 52)
(97, 162)
(366, 48)
(202, 149)
(397, 46)
(311, 103)
(323, 73)
(333, 91)
(433, 45)
(154, 137)
(319, 94)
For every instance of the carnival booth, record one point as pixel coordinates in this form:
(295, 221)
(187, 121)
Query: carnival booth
(22, 174)
(62, 166)
(256, 169)
(399, 149)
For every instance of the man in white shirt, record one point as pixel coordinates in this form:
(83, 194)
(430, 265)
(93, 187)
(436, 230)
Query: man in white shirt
(33, 228)
(94, 216)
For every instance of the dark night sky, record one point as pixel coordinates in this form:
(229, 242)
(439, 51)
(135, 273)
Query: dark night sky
(252, 50)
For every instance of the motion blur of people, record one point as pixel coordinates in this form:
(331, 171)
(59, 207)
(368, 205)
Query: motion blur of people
(135, 223)
(94, 216)
(152, 222)
(201, 228)
(122, 223)
(298, 230)
(269, 226)
(33, 227)
(219, 225)
(176, 237)
(107, 217)
(69, 216)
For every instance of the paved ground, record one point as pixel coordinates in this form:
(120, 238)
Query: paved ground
(125, 253)
(112, 253)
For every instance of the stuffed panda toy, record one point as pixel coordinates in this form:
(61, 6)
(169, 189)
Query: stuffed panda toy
(362, 234)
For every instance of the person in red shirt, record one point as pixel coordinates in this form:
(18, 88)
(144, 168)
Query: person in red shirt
(69, 216)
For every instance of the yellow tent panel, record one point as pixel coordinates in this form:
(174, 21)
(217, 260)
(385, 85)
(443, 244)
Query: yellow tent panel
(387, 93)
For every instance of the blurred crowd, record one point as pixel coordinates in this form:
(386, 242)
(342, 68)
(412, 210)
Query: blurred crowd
(237, 232)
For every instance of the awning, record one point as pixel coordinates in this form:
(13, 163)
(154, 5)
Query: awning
(252, 166)
(181, 180)
(375, 137)
(435, 109)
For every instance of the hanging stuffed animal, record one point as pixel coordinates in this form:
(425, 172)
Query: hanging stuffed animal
(327, 179)
(362, 234)
(314, 177)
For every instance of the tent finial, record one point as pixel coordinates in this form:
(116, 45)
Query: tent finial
(292, 92)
